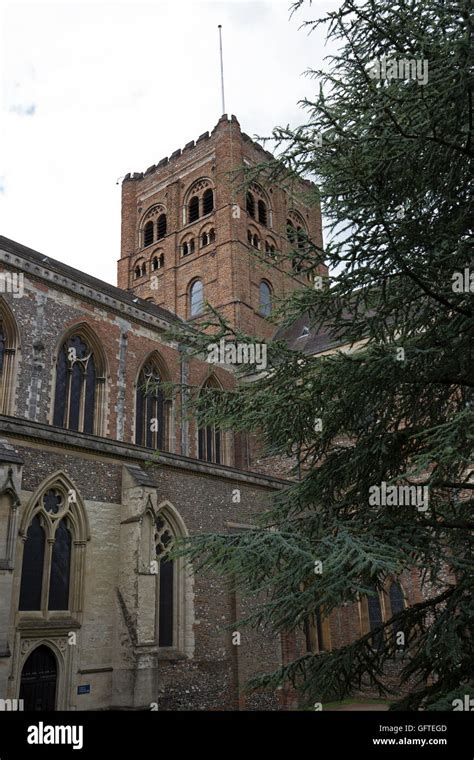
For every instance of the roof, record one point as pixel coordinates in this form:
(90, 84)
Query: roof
(93, 282)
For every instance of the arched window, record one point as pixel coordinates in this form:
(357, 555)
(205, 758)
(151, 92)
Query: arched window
(290, 231)
(143, 270)
(397, 604)
(212, 236)
(207, 201)
(209, 437)
(249, 237)
(151, 408)
(196, 298)
(301, 237)
(54, 530)
(262, 212)
(255, 241)
(138, 272)
(188, 247)
(148, 234)
(265, 299)
(250, 205)
(375, 618)
(161, 226)
(79, 390)
(193, 209)
(9, 343)
(154, 263)
(32, 570)
(167, 581)
(158, 262)
(204, 240)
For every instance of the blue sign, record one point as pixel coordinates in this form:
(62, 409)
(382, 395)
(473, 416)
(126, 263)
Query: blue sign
(86, 689)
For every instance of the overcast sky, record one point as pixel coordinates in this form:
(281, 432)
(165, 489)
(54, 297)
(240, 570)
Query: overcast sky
(91, 91)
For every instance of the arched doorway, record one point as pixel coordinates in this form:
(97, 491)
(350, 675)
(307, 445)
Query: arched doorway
(38, 680)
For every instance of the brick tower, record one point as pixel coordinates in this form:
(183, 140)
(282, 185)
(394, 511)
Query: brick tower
(189, 228)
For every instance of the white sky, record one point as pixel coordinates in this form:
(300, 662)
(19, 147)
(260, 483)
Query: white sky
(90, 91)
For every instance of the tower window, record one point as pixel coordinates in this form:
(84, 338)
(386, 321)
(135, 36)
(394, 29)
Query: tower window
(207, 201)
(262, 212)
(265, 299)
(193, 210)
(212, 236)
(138, 272)
(148, 234)
(255, 241)
(250, 205)
(143, 271)
(188, 247)
(204, 240)
(249, 237)
(161, 226)
(196, 298)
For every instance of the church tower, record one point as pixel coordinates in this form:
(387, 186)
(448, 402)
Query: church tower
(189, 229)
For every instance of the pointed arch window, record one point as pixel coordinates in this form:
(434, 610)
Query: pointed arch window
(210, 436)
(375, 618)
(151, 408)
(54, 533)
(9, 343)
(79, 386)
(166, 583)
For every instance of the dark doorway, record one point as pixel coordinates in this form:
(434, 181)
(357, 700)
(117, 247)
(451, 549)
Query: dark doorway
(38, 680)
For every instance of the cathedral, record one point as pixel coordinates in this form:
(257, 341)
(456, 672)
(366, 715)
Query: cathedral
(102, 468)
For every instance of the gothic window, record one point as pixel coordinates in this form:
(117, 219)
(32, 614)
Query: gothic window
(290, 231)
(397, 604)
(2, 346)
(262, 212)
(9, 342)
(196, 298)
(250, 205)
(265, 299)
(32, 570)
(161, 226)
(151, 408)
(316, 633)
(80, 384)
(207, 201)
(166, 583)
(209, 437)
(54, 530)
(148, 234)
(375, 618)
(76, 379)
(193, 209)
